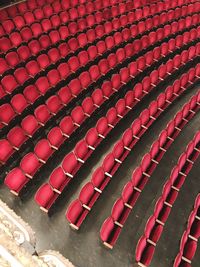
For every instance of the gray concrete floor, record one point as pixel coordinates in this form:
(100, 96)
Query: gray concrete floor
(84, 248)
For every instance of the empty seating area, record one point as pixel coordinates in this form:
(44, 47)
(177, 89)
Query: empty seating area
(98, 101)
(114, 159)
(105, 124)
(155, 224)
(189, 240)
(133, 188)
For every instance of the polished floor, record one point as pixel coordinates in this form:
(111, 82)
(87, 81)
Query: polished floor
(83, 248)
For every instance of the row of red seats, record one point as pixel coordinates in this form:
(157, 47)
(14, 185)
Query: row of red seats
(78, 210)
(21, 7)
(60, 32)
(34, 29)
(188, 244)
(16, 137)
(56, 36)
(42, 84)
(32, 126)
(123, 106)
(155, 225)
(52, 18)
(22, 76)
(32, 65)
(51, 7)
(89, 107)
(13, 58)
(78, 115)
(97, 99)
(21, 101)
(65, 69)
(45, 148)
(73, 65)
(48, 8)
(112, 226)
(46, 195)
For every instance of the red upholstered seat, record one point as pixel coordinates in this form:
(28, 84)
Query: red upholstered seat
(19, 103)
(6, 113)
(44, 195)
(42, 114)
(81, 149)
(92, 137)
(67, 126)
(43, 150)
(55, 137)
(74, 211)
(15, 179)
(16, 136)
(9, 84)
(31, 94)
(30, 125)
(106, 229)
(6, 150)
(70, 164)
(57, 178)
(30, 164)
